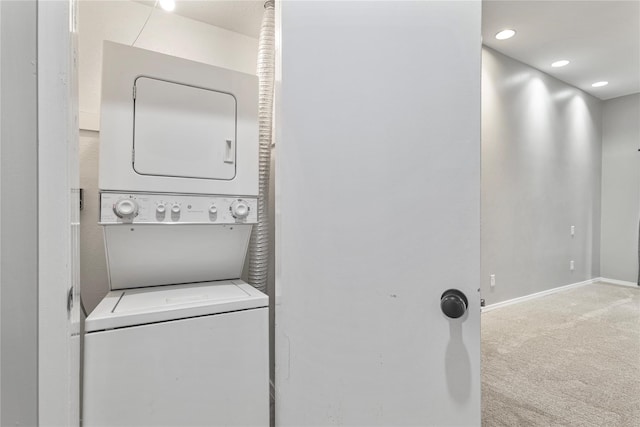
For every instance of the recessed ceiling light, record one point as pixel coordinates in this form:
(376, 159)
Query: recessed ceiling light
(560, 63)
(168, 5)
(600, 84)
(505, 34)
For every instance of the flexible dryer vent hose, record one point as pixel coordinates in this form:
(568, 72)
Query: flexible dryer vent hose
(259, 246)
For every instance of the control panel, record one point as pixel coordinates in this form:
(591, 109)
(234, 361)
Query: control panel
(146, 208)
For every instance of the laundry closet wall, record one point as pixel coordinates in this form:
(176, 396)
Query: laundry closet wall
(121, 21)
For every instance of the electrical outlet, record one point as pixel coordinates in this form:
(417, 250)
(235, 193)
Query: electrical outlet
(573, 230)
(572, 265)
(493, 280)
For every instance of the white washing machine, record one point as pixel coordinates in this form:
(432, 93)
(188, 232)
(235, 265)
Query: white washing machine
(180, 340)
(188, 355)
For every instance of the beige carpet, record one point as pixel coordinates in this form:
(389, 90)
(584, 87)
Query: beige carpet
(567, 359)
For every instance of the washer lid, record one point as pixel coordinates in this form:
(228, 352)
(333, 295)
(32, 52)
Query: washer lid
(131, 307)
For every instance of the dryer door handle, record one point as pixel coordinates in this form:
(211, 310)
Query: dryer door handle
(228, 151)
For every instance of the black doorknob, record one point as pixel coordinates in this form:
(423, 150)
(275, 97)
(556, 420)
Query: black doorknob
(453, 303)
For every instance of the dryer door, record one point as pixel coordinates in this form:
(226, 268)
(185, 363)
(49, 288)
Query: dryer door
(183, 131)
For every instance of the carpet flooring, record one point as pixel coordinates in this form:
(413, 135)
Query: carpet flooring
(566, 359)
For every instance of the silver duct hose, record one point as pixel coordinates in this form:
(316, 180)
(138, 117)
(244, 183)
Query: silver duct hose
(259, 245)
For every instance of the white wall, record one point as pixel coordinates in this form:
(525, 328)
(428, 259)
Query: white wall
(541, 168)
(620, 188)
(19, 215)
(121, 21)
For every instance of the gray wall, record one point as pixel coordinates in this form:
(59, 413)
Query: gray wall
(620, 188)
(93, 264)
(19, 215)
(541, 168)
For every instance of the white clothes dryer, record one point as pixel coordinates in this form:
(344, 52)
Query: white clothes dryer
(171, 125)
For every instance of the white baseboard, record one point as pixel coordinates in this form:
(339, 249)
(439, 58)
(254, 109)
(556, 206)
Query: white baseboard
(540, 294)
(618, 282)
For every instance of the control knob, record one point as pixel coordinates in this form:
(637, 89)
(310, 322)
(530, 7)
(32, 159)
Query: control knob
(161, 208)
(239, 209)
(213, 210)
(126, 208)
(175, 208)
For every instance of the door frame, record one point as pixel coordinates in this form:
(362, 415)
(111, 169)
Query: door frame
(58, 214)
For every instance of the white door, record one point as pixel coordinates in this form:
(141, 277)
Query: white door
(377, 213)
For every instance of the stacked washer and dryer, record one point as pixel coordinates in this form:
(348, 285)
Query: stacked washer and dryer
(179, 340)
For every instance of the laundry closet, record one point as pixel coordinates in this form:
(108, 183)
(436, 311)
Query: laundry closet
(178, 338)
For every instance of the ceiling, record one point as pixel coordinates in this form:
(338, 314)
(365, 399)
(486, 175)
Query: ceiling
(240, 16)
(600, 38)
